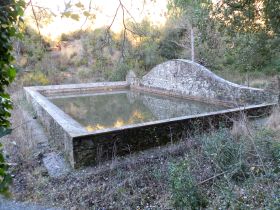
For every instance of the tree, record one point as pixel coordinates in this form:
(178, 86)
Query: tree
(10, 11)
(254, 28)
(192, 14)
(249, 16)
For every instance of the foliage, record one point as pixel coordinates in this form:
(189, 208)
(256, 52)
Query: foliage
(167, 45)
(252, 31)
(194, 16)
(233, 173)
(147, 54)
(72, 36)
(249, 16)
(194, 11)
(185, 194)
(230, 35)
(34, 78)
(120, 72)
(226, 154)
(144, 51)
(111, 56)
(9, 14)
(32, 45)
(75, 11)
(5, 178)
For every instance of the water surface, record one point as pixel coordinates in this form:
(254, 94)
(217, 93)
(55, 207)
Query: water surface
(119, 108)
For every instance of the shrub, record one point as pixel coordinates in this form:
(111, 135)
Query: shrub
(269, 146)
(34, 78)
(84, 72)
(185, 193)
(275, 150)
(120, 72)
(226, 154)
(33, 46)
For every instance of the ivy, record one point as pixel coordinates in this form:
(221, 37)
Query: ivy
(10, 12)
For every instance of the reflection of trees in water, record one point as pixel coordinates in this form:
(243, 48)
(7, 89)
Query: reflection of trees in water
(136, 117)
(170, 107)
(120, 109)
(105, 111)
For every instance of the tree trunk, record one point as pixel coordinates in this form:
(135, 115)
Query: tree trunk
(278, 80)
(192, 44)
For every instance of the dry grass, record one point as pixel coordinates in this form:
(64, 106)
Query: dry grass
(273, 121)
(255, 79)
(241, 128)
(21, 141)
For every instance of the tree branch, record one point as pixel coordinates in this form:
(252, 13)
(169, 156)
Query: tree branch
(89, 9)
(34, 14)
(179, 45)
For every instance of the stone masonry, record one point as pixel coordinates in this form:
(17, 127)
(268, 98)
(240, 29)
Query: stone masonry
(191, 79)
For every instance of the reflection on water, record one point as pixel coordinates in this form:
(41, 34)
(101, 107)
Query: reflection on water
(114, 110)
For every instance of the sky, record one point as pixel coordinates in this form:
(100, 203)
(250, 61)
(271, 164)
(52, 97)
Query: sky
(104, 10)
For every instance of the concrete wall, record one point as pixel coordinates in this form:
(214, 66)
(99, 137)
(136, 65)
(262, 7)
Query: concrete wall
(60, 127)
(95, 148)
(53, 121)
(188, 78)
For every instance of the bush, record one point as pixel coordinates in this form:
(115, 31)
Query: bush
(34, 78)
(72, 35)
(226, 154)
(120, 72)
(84, 72)
(185, 193)
(33, 46)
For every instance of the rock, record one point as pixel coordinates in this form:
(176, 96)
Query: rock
(56, 165)
(131, 78)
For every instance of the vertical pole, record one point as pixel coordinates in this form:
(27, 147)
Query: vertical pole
(248, 80)
(278, 80)
(192, 44)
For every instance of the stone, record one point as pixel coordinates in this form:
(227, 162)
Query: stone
(131, 78)
(56, 165)
(191, 79)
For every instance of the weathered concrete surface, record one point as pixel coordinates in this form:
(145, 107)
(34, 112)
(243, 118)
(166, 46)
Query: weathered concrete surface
(56, 165)
(191, 79)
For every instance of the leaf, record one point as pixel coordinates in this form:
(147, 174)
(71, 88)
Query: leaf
(5, 131)
(12, 73)
(68, 5)
(86, 13)
(75, 17)
(79, 5)
(66, 14)
(10, 16)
